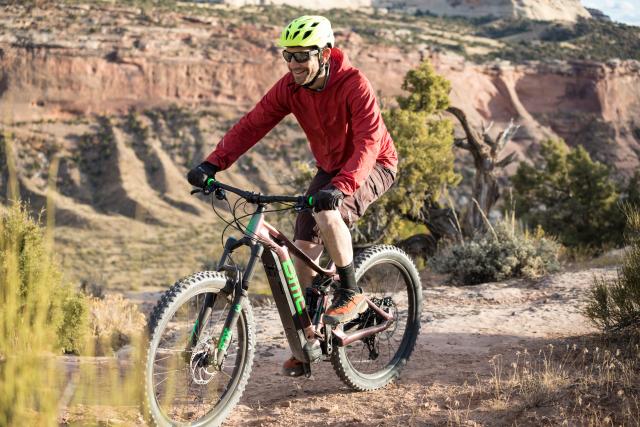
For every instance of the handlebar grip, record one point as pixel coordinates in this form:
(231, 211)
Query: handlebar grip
(309, 201)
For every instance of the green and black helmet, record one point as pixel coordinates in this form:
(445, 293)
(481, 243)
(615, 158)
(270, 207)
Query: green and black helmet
(307, 31)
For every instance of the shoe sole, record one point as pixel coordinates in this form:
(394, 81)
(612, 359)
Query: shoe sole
(346, 318)
(293, 374)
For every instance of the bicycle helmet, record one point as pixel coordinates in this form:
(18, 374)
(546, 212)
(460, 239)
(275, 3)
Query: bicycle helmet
(307, 31)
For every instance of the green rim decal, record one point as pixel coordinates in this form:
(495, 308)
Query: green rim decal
(237, 308)
(294, 285)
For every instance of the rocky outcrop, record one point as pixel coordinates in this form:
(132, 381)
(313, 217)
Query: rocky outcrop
(544, 10)
(204, 63)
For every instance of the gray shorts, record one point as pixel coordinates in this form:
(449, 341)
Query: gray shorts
(353, 206)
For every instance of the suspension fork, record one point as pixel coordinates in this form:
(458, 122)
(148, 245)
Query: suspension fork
(203, 318)
(241, 286)
(210, 298)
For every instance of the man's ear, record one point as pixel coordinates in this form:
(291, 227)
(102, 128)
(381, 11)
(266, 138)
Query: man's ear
(326, 54)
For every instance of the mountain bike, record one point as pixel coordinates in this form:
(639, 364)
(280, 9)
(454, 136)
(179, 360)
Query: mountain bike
(202, 332)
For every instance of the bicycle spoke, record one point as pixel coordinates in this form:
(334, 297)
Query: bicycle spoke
(186, 386)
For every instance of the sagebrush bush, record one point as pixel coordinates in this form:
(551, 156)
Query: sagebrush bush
(615, 304)
(114, 322)
(500, 253)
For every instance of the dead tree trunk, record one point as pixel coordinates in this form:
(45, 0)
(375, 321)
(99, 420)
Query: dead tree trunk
(485, 151)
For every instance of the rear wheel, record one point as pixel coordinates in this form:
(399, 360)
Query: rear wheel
(183, 385)
(389, 278)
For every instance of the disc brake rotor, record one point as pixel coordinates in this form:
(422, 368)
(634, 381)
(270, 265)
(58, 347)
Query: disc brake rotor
(202, 363)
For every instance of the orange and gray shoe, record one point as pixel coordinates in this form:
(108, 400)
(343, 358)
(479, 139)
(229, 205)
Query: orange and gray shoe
(292, 367)
(347, 305)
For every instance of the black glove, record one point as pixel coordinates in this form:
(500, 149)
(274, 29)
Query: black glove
(199, 175)
(327, 200)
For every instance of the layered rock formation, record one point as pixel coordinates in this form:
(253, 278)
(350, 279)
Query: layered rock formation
(204, 62)
(544, 10)
(70, 76)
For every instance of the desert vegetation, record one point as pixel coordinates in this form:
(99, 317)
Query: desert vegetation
(42, 316)
(501, 252)
(70, 356)
(572, 197)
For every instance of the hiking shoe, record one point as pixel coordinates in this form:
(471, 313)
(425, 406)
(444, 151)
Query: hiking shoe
(346, 305)
(292, 367)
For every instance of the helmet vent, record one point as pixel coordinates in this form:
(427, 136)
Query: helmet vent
(295, 34)
(287, 35)
(302, 25)
(307, 34)
(315, 24)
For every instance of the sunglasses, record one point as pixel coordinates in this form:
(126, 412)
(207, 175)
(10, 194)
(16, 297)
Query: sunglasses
(300, 57)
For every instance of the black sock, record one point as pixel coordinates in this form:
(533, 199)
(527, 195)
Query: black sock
(347, 277)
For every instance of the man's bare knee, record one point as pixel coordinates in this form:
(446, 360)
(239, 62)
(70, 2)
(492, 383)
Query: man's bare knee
(328, 219)
(313, 251)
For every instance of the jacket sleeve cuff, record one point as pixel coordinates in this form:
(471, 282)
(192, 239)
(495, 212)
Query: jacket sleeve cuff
(342, 187)
(215, 161)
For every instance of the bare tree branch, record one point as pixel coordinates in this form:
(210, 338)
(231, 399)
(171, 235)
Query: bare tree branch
(507, 160)
(462, 143)
(485, 151)
(472, 136)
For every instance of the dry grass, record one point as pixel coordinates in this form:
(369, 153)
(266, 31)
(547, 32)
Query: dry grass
(114, 321)
(594, 381)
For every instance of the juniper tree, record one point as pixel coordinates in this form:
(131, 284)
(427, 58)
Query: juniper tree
(569, 195)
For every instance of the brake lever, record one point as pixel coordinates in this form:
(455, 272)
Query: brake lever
(196, 191)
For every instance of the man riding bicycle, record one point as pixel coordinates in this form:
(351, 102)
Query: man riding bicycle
(336, 107)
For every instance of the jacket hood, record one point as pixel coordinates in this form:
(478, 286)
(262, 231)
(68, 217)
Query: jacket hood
(340, 66)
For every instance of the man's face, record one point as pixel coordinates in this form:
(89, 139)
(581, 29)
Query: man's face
(303, 72)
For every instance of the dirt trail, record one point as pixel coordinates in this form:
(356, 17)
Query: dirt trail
(462, 329)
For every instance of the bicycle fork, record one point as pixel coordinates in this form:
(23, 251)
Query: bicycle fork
(238, 285)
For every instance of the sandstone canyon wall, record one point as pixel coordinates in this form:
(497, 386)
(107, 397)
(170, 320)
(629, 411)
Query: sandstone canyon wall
(594, 104)
(544, 10)
(123, 62)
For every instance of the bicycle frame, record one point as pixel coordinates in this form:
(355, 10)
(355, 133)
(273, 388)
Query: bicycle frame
(274, 249)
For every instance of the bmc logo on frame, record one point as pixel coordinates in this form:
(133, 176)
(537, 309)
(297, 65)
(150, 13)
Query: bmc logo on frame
(294, 285)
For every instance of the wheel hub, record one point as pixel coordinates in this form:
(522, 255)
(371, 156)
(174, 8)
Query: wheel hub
(202, 366)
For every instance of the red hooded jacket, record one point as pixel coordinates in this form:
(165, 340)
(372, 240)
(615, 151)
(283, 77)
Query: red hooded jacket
(342, 123)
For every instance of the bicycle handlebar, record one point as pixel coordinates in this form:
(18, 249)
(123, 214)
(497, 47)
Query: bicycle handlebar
(212, 185)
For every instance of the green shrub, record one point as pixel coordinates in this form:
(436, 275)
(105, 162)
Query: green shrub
(570, 196)
(29, 314)
(500, 253)
(615, 304)
(74, 326)
(423, 139)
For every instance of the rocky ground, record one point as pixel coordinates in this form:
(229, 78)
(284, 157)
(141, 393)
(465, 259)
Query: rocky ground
(463, 329)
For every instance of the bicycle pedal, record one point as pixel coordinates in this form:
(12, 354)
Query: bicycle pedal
(323, 283)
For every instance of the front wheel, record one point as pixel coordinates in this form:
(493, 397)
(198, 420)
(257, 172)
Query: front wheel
(389, 278)
(182, 381)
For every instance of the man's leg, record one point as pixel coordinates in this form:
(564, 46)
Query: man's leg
(348, 301)
(336, 236)
(313, 251)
